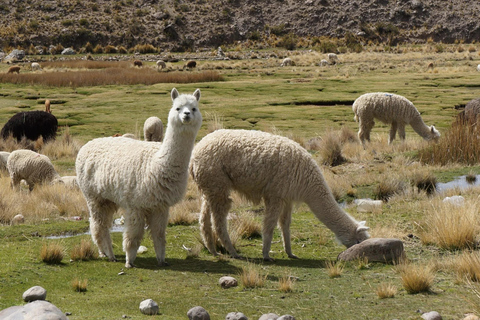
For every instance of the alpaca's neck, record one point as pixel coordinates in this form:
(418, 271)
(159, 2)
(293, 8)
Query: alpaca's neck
(420, 127)
(176, 148)
(322, 203)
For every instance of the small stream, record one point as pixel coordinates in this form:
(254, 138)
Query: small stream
(459, 182)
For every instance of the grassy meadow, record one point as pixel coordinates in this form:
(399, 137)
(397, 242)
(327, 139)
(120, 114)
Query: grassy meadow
(306, 102)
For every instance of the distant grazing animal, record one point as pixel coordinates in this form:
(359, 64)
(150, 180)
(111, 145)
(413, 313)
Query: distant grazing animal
(287, 62)
(70, 181)
(3, 160)
(14, 69)
(144, 178)
(191, 64)
(36, 66)
(260, 165)
(430, 65)
(32, 167)
(47, 106)
(390, 109)
(471, 112)
(137, 63)
(31, 125)
(161, 64)
(153, 129)
(323, 63)
(478, 67)
(333, 58)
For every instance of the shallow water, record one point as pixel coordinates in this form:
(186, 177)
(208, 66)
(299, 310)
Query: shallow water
(459, 182)
(115, 228)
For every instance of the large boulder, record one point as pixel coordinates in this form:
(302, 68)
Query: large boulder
(228, 282)
(236, 316)
(198, 313)
(149, 307)
(34, 310)
(68, 51)
(385, 250)
(269, 316)
(16, 54)
(34, 293)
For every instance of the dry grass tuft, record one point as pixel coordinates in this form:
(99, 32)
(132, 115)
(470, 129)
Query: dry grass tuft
(215, 121)
(285, 283)
(184, 213)
(79, 285)
(84, 251)
(416, 278)
(467, 266)
(64, 146)
(388, 187)
(331, 149)
(450, 227)
(334, 269)
(52, 253)
(386, 290)
(243, 225)
(424, 180)
(251, 278)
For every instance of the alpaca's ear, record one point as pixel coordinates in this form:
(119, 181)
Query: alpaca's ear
(432, 129)
(362, 227)
(196, 94)
(174, 94)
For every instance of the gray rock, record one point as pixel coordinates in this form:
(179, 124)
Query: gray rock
(149, 307)
(68, 51)
(385, 250)
(286, 317)
(432, 315)
(236, 316)
(34, 293)
(228, 282)
(198, 313)
(34, 310)
(269, 316)
(16, 54)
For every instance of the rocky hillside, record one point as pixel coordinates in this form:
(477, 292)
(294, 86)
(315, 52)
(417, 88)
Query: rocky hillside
(193, 24)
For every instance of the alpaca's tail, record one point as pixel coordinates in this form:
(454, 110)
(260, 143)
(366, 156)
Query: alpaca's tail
(205, 221)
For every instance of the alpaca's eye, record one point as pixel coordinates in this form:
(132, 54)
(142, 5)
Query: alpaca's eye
(194, 109)
(178, 109)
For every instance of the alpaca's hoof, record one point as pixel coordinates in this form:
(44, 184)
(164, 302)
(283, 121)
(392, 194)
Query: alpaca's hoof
(292, 256)
(129, 265)
(163, 264)
(268, 259)
(113, 259)
(238, 257)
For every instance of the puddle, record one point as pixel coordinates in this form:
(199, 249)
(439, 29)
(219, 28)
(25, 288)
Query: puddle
(460, 182)
(115, 228)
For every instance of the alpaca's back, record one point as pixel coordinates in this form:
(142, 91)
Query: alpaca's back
(386, 107)
(253, 163)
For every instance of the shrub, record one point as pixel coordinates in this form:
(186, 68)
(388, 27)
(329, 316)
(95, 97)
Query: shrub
(389, 187)
(467, 266)
(110, 49)
(331, 149)
(52, 253)
(424, 180)
(327, 46)
(98, 49)
(334, 269)
(285, 284)
(145, 48)
(89, 47)
(67, 23)
(289, 41)
(83, 22)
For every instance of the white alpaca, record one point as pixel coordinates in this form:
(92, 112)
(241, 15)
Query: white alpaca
(390, 109)
(153, 129)
(323, 63)
(143, 178)
(287, 62)
(32, 167)
(3, 160)
(333, 58)
(260, 165)
(36, 66)
(161, 64)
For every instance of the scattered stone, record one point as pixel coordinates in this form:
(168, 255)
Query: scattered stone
(455, 200)
(34, 293)
(121, 273)
(142, 249)
(432, 315)
(385, 250)
(68, 51)
(198, 313)
(34, 310)
(236, 316)
(18, 219)
(149, 307)
(269, 316)
(368, 205)
(286, 317)
(228, 282)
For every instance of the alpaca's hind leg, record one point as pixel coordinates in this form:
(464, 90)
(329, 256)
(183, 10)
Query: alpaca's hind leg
(206, 231)
(285, 220)
(365, 129)
(220, 207)
(393, 132)
(273, 209)
(132, 236)
(101, 220)
(157, 223)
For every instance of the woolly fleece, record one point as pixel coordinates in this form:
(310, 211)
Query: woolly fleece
(259, 166)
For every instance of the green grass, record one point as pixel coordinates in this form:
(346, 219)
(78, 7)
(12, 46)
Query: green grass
(303, 101)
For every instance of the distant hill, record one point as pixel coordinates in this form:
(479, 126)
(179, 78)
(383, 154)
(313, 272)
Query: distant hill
(191, 25)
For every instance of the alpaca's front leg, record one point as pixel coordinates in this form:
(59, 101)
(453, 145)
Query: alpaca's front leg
(401, 131)
(393, 132)
(132, 236)
(157, 223)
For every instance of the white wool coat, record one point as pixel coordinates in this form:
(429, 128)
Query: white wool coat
(153, 129)
(32, 167)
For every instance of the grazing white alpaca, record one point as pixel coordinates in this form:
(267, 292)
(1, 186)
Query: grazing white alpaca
(153, 129)
(390, 109)
(144, 178)
(161, 64)
(260, 165)
(36, 66)
(287, 62)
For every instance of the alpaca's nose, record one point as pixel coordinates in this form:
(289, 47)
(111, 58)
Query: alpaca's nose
(186, 113)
